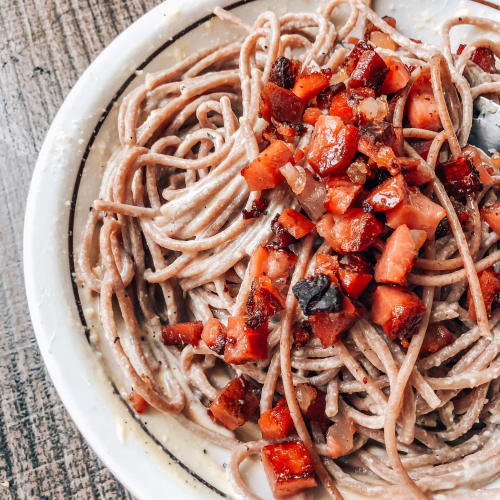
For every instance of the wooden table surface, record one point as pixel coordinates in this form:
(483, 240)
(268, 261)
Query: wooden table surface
(45, 45)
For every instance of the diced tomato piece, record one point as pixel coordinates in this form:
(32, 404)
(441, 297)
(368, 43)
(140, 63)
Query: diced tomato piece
(284, 71)
(417, 212)
(214, 335)
(235, 403)
(398, 256)
(421, 107)
(243, 343)
(333, 145)
(387, 195)
(491, 215)
(398, 311)
(328, 327)
(258, 262)
(354, 282)
(308, 86)
(370, 27)
(281, 104)
(263, 302)
(295, 223)
(370, 71)
(490, 288)
(312, 402)
(301, 332)
(352, 59)
(353, 40)
(436, 337)
(460, 177)
(139, 404)
(288, 468)
(324, 98)
(485, 59)
(340, 437)
(397, 78)
(182, 333)
(277, 422)
(340, 195)
(353, 231)
(311, 115)
(264, 171)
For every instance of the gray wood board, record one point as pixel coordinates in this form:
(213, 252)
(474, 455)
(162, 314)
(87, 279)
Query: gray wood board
(45, 45)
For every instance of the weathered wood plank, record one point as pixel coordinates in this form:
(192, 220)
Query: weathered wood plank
(44, 47)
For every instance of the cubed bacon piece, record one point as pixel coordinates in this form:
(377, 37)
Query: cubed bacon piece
(327, 264)
(369, 72)
(398, 311)
(258, 208)
(284, 72)
(214, 335)
(415, 171)
(333, 145)
(399, 255)
(352, 59)
(243, 343)
(312, 402)
(340, 437)
(288, 468)
(139, 404)
(281, 104)
(417, 211)
(287, 132)
(301, 333)
(310, 85)
(460, 177)
(263, 301)
(295, 223)
(298, 155)
(490, 288)
(481, 166)
(491, 215)
(235, 403)
(182, 333)
(272, 262)
(282, 238)
(377, 140)
(264, 171)
(421, 107)
(355, 274)
(436, 337)
(353, 231)
(397, 78)
(277, 422)
(324, 98)
(328, 327)
(340, 195)
(371, 28)
(387, 195)
(311, 115)
(345, 104)
(485, 59)
(313, 196)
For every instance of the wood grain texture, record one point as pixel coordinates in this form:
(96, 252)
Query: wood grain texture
(44, 47)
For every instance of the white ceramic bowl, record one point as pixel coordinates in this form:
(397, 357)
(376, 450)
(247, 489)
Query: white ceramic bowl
(153, 458)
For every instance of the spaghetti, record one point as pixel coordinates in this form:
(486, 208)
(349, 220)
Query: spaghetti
(410, 409)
